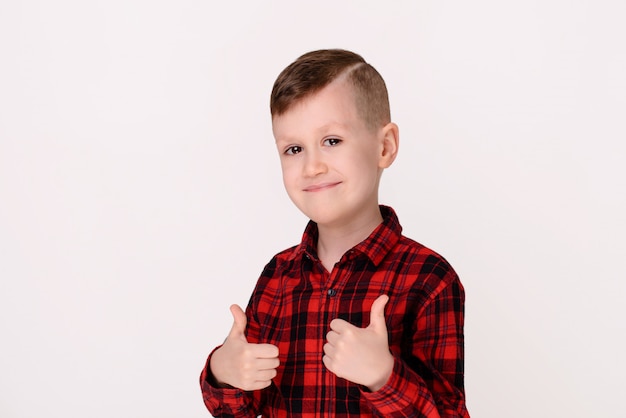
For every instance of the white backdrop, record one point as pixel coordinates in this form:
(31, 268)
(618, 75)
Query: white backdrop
(140, 191)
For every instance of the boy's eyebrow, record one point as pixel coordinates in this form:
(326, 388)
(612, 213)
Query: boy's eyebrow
(322, 130)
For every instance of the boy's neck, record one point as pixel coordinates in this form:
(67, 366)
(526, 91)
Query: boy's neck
(334, 241)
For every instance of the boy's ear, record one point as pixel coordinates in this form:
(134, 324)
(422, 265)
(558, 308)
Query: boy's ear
(390, 142)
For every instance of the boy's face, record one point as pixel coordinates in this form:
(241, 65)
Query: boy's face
(331, 161)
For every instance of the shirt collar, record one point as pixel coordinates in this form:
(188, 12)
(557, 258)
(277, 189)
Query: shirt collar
(375, 247)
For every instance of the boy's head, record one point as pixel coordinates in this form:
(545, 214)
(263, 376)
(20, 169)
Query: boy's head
(330, 118)
(314, 70)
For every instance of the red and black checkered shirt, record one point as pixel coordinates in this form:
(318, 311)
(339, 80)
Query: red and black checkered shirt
(296, 299)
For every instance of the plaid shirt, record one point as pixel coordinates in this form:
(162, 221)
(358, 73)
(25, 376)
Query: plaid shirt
(296, 299)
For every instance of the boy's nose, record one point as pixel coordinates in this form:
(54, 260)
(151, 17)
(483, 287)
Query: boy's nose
(314, 165)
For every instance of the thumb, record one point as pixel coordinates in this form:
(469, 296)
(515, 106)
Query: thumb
(377, 314)
(239, 323)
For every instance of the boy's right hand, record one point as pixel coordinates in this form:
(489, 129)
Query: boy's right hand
(240, 364)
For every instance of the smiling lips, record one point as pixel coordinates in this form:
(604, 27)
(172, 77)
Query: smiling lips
(321, 186)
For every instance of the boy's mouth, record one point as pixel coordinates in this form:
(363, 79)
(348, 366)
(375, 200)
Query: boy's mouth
(321, 186)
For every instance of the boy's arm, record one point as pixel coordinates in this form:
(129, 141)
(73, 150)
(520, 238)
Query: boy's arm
(225, 402)
(237, 391)
(430, 382)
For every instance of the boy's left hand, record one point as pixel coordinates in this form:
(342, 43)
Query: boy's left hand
(361, 355)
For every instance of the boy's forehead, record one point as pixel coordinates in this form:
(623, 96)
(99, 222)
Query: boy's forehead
(332, 106)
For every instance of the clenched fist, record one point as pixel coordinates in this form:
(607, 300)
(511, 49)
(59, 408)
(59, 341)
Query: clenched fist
(240, 364)
(361, 355)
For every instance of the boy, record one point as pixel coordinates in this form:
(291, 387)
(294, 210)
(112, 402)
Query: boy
(357, 320)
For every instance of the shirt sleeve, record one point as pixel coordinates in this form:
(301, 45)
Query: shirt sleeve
(429, 382)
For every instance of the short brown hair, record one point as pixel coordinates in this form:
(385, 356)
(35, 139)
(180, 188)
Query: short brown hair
(315, 70)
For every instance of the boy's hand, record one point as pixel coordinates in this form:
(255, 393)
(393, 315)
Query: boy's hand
(240, 364)
(361, 355)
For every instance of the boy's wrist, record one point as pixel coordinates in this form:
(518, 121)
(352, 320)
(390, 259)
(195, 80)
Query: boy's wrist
(211, 377)
(388, 369)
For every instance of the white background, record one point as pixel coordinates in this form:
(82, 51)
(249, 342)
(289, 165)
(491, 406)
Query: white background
(140, 191)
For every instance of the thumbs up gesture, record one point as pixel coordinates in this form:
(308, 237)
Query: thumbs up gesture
(361, 355)
(240, 364)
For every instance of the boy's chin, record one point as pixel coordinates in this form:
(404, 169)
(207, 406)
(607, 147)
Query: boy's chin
(326, 216)
(320, 216)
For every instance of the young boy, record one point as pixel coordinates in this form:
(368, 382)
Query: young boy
(357, 320)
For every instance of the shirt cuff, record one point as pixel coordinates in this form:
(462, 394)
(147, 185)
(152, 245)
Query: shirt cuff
(403, 391)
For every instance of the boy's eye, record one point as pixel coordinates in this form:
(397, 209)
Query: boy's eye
(293, 150)
(332, 141)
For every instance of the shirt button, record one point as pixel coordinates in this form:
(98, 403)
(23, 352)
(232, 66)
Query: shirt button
(331, 292)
